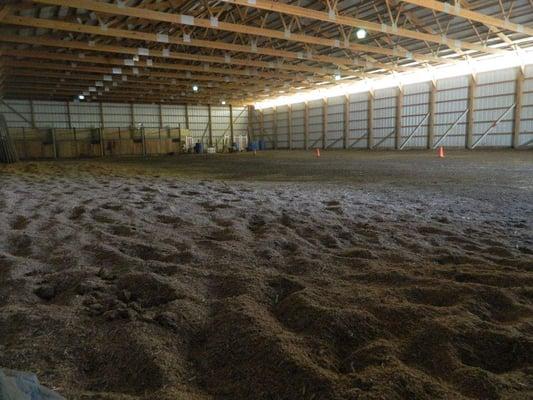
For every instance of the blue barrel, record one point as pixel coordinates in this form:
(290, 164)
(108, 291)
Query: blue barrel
(252, 146)
(198, 148)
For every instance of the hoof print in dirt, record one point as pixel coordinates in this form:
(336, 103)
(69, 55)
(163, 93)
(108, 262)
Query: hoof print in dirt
(358, 252)
(147, 289)
(45, 292)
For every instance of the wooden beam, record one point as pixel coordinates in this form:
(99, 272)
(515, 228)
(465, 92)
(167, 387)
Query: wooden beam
(431, 110)
(179, 19)
(165, 53)
(459, 11)
(175, 40)
(345, 20)
(517, 123)
(156, 64)
(471, 104)
(398, 124)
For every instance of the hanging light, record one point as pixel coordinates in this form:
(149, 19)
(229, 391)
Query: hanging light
(195, 88)
(360, 34)
(223, 102)
(81, 97)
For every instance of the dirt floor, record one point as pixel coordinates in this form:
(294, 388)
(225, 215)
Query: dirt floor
(382, 275)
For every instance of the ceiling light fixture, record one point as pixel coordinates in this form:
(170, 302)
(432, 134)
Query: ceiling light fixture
(360, 34)
(195, 88)
(81, 97)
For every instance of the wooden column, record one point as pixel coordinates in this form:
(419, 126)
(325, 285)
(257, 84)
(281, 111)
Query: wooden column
(54, 143)
(289, 125)
(306, 126)
(132, 115)
(32, 114)
(69, 120)
(250, 123)
(324, 122)
(187, 116)
(160, 116)
(143, 138)
(517, 124)
(231, 128)
(370, 121)
(346, 126)
(102, 149)
(261, 125)
(398, 124)
(471, 111)
(275, 127)
(210, 125)
(25, 143)
(431, 110)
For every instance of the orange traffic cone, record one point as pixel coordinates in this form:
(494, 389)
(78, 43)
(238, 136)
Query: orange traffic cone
(317, 152)
(441, 152)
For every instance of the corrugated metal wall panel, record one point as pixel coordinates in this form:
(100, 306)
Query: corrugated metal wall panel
(298, 126)
(147, 115)
(50, 114)
(116, 115)
(20, 117)
(173, 116)
(85, 115)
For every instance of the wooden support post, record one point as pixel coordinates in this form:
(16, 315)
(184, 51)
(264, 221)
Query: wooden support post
(210, 125)
(69, 120)
(517, 124)
(289, 125)
(324, 123)
(132, 115)
(370, 121)
(160, 115)
(54, 143)
(275, 128)
(159, 141)
(261, 125)
(398, 124)
(432, 110)
(143, 139)
(32, 114)
(250, 123)
(471, 112)
(186, 116)
(102, 125)
(231, 127)
(306, 126)
(76, 142)
(24, 142)
(346, 122)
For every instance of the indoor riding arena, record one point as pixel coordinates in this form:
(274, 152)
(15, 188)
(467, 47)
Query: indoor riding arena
(266, 200)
